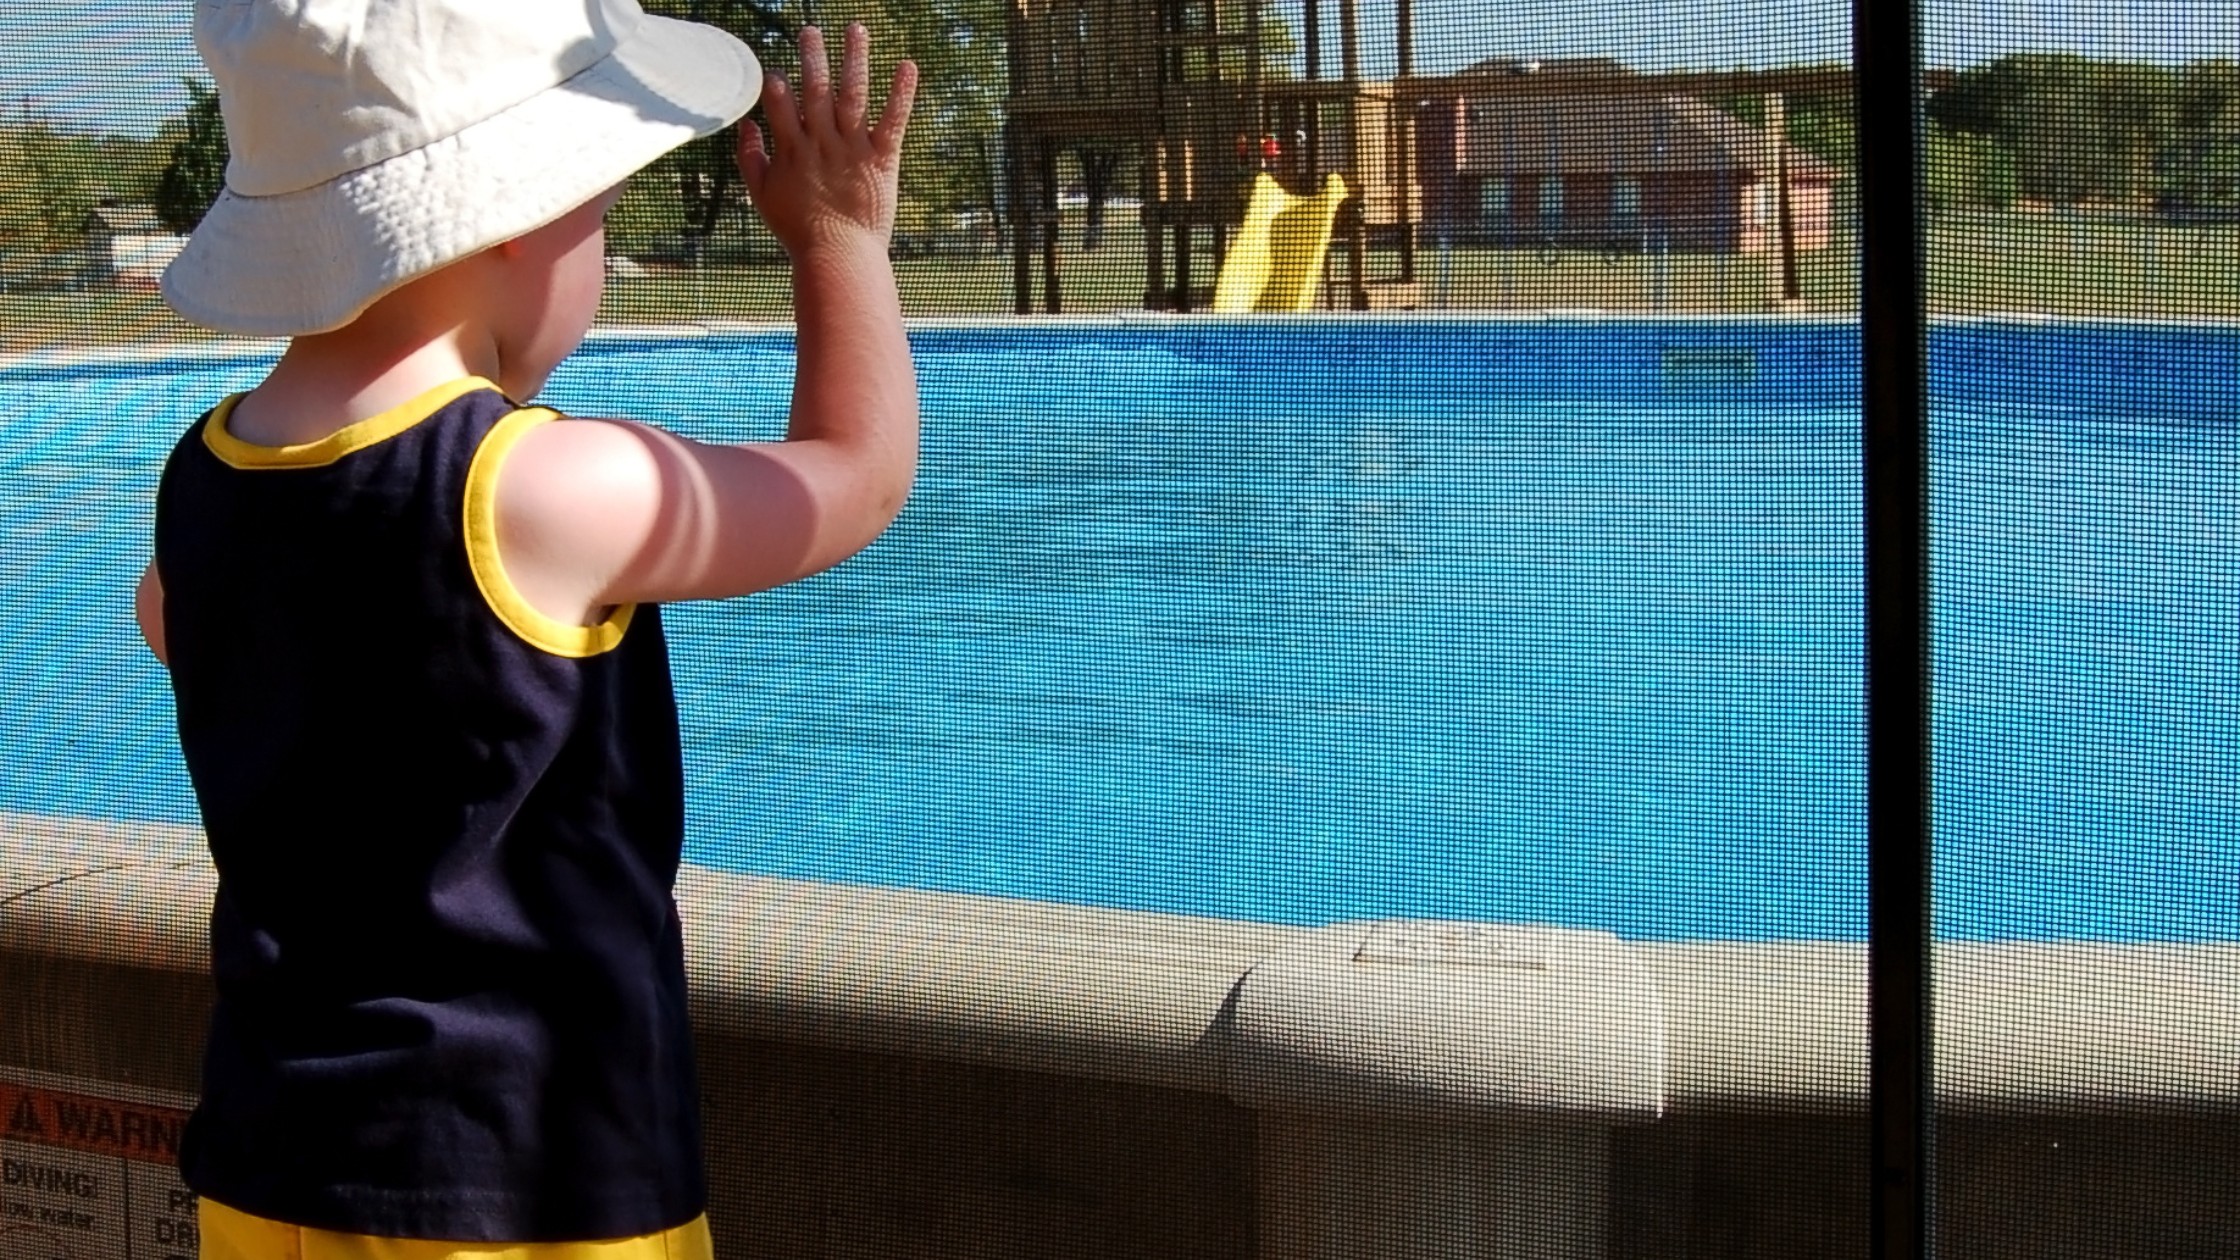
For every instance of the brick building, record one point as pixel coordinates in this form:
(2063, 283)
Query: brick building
(1501, 163)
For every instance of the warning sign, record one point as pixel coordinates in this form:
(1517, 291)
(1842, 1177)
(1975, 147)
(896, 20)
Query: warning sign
(84, 1176)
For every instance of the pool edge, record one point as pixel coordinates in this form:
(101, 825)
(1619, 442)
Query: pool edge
(236, 349)
(1143, 998)
(895, 1064)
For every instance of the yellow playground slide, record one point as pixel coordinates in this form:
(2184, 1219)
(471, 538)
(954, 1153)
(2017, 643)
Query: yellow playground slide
(1275, 256)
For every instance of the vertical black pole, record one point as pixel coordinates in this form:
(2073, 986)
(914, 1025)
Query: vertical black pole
(1046, 172)
(1349, 46)
(1014, 161)
(1022, 217)
(1402, 135)
(1312, 22)
(1784, 210)
(1894, 326)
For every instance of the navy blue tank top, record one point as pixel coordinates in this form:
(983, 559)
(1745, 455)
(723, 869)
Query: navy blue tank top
(450, 976)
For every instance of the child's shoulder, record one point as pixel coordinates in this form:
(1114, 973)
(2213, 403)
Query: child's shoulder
(600, 511)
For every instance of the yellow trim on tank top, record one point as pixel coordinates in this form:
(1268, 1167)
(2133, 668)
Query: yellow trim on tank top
(519, 615)
(230, 1234)
(356, 436)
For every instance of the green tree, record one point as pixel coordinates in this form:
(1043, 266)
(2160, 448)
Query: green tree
(1819, 123)
(2076, 129)
(2198, 167)
(687, 191)
(190, 183)
(954, 131)
(2134, 105)
(951, 157)
(1963, 169)
(129, 167)
(49, 181)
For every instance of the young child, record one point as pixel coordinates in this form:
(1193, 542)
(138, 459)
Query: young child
(412, 624)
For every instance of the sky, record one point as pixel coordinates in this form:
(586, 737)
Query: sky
(115, 65)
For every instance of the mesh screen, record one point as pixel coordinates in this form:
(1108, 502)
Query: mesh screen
(1381, 461)
(2081, 208)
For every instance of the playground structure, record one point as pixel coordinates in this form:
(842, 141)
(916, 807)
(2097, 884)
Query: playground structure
(1185, 88)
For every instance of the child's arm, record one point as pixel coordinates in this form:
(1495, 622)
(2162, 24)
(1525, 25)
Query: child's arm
(595, 513)
(147, 609)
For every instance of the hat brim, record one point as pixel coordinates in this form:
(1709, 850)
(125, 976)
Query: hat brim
(312, 261)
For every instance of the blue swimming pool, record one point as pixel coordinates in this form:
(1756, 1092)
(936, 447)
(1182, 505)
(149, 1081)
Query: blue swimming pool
(1529, 620)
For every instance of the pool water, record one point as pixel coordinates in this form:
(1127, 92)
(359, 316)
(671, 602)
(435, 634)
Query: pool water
(1546, 621)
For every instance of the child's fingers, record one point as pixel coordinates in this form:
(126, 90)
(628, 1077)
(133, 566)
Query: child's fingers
(753, 158)
(783, 112)
(895, 119)
(855, 80)
(816, 81)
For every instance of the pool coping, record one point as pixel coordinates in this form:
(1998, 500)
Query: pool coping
(2058, 1028)
(232, 349)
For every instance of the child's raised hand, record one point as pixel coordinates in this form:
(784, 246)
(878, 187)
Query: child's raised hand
(829, 177)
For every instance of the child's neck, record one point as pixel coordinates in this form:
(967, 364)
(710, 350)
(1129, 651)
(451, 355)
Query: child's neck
(305, 397)
(329, 381)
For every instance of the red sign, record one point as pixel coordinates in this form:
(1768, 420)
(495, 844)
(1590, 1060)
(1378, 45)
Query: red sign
(99, 1126)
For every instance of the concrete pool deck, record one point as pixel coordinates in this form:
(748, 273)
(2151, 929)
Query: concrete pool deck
(970, 1072)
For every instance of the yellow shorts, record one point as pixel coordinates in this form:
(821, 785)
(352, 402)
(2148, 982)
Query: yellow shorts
(231, 1235)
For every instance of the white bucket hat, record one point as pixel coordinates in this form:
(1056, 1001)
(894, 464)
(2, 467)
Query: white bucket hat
(376, 140)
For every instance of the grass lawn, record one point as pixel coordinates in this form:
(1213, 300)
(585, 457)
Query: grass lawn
(2055, 263)
(2061, 264)
(2069, 263)
(38, 321)
(1109, 279)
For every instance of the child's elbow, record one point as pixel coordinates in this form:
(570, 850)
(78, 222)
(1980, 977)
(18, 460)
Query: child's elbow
(892, 499)
(147, 609)
(849, 529)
